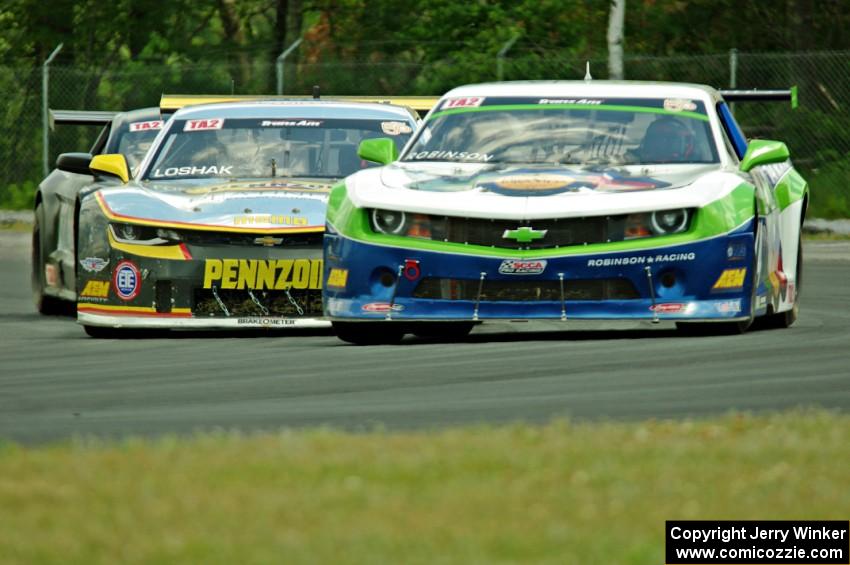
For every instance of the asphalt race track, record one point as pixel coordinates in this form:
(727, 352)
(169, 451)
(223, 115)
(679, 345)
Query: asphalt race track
(55, 382)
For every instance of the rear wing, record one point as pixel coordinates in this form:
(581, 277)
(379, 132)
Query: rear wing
(170, 103)
(755, 95)
(79, 117)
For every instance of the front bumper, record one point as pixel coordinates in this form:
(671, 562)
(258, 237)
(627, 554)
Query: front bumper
(202, 287)
(706, 280)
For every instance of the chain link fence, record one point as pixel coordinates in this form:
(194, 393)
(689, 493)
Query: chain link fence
(816, 132)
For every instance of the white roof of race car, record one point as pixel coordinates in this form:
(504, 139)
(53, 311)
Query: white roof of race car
(297, 109)
(588, 88)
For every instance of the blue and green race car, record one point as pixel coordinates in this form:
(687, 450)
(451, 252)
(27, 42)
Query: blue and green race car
(567, 200)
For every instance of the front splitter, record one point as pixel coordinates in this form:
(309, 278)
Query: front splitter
(191, 323)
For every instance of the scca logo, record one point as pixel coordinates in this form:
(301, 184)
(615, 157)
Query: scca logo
(257, 274)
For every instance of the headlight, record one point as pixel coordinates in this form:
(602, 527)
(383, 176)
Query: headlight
(388, 221)
(144, 235)
(669, 221)
(421, 226)
(129, 232)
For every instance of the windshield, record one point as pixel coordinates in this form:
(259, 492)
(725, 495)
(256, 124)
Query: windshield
(134, 140)
(566, 131)
(268, 147)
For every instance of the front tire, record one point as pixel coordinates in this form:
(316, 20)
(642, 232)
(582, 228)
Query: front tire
(713, 328)
(447, 331)
(369, 333)
(786, 319)
(103, 332)
(45, 304)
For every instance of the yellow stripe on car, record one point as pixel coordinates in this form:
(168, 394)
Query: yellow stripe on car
(171, 252)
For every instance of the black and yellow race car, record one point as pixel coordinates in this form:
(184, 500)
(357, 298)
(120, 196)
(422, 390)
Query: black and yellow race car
(220, 226)
(57, 200)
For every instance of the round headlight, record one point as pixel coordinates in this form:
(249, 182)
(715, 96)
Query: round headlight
(129, 231)
(170, 235)
(669, 221)
(388, 221)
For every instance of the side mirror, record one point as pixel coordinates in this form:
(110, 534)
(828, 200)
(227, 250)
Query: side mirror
(764, 152)
(74, 163)
(381, 150)
(112, 165)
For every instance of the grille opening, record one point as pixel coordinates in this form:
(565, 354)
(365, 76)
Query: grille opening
(162, 296)
(537, 290)
(239, 303)
(212, 238)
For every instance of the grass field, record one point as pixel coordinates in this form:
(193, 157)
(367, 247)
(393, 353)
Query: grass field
(561, 493)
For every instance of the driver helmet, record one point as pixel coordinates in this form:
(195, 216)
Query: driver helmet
(667, 140)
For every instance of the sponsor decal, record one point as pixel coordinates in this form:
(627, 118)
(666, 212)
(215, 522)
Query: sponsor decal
(669, 308)
(291, 123)
(642, 259)
(146, 126)
(204, 125)
(774, 172)
(223, 170)
(261, 274)
(542, 185)
(395, 128)
(266, 322)
(534, 182)
(381, 307)
(728, 306)
(94, 264)
(678, 105)
(304, 189)
(524, 182)
(276, 220)
(95, 289)
(127, 280)
(521, 267)
(730, 279)
(451, 156)
(569, 101)
(465, 102)
(736, 251)
(337, 278)
(761, 301)
(51, 275)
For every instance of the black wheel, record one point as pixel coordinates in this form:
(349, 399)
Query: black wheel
(45, 304)
(442, 330)
(713, 328)
(101, 332)
(369, 333)
(786, 319)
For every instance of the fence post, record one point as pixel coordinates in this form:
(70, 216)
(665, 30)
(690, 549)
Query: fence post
(45, 118)
(280, 60)
(733, 74)
(500, 57)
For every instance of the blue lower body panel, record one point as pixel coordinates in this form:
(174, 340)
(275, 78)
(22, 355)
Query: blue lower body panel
(705, 280)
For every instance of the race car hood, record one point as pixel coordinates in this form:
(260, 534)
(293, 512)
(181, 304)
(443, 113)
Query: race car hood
(273, 205)
(528, 192)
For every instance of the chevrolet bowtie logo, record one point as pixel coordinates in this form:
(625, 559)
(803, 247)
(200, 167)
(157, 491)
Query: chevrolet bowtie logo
(268, 241)
(524, 234)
